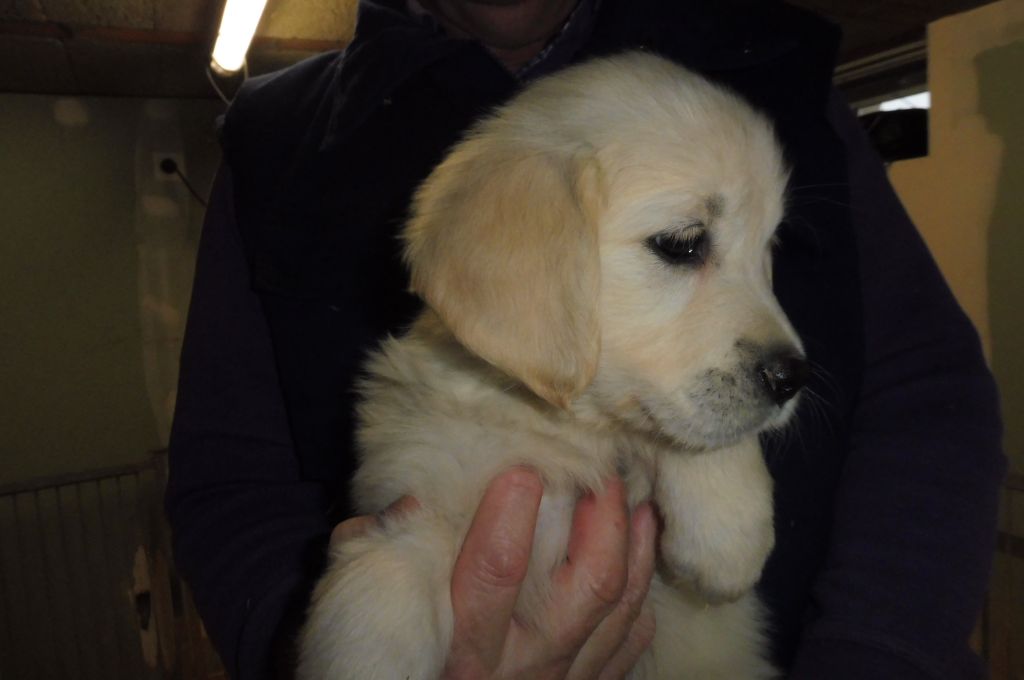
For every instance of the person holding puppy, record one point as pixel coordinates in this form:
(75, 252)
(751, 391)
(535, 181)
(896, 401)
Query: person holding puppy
(885, 498)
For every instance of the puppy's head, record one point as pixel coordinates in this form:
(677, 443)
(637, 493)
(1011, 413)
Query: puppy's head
(606, 238)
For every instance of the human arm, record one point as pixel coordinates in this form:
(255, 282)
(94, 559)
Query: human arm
(248, 531)
(914, 520)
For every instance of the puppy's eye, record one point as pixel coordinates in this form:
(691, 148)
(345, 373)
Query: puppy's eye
(688, 247)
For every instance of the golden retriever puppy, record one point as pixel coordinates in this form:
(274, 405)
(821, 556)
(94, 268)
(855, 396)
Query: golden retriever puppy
(595, 258)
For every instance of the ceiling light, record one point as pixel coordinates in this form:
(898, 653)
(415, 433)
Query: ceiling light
(237, 27)
(922, 100)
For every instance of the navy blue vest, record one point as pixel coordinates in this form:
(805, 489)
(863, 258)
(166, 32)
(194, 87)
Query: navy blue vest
(326, 155)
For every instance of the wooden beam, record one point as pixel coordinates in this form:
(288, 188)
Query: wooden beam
(137, 36)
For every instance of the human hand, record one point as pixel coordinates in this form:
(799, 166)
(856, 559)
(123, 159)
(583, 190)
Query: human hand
(357, 526)
(598, 626)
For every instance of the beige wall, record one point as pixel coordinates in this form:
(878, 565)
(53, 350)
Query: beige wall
(967, 196)
(95, 250)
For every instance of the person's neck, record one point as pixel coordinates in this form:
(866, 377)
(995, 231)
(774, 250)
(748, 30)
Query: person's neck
(515, 32)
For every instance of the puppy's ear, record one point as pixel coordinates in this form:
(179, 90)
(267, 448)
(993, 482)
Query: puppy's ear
(503, 246)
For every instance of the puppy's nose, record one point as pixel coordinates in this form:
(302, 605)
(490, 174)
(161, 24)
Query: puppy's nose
(782, 375)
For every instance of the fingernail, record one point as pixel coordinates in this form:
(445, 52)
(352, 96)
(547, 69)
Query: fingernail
(402, 506)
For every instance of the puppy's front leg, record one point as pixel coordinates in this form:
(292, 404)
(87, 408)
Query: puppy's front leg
(717, 509)
(383, 608)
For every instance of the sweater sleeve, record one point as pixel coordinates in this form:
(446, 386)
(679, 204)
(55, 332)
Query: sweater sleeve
(248, 532)
(915, 514)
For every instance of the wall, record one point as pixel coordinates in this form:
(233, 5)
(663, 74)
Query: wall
(94, 273)
(967, 196)
(96, 259)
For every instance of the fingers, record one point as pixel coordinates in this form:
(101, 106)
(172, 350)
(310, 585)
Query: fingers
(594, 578)
(640, 637)
(358, 526)
(353, 527)
(490, 569)
(624, 634)
(598, 626)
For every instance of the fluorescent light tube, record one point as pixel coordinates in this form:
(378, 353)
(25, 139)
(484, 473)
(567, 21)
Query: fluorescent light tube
(237, 27)
(922, 100)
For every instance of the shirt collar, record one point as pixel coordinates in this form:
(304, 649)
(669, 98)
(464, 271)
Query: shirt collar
(559, 50)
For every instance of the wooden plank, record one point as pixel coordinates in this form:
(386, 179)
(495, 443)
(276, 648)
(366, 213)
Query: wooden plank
(120, 594)
(35, 616)
(61, 600)
(103, 633)
(13, 599)
(157, 545)
(84, 600)
(117, 584)
(142, 642)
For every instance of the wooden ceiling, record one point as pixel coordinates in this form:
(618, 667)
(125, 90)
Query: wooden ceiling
(160, 48)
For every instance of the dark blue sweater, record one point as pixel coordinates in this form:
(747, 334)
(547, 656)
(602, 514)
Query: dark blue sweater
(886, 497)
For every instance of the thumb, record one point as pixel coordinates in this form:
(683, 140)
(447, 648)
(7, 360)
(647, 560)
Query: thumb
(354, 527)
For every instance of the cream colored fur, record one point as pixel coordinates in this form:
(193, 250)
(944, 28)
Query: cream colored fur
(556, 338)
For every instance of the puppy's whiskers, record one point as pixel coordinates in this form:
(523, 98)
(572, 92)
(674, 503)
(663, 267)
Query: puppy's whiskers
(825, 378)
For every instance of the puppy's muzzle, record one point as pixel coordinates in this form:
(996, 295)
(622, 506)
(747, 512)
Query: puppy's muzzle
(781, 375)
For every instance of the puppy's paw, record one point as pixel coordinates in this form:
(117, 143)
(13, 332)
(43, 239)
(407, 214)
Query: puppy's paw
(717, 511)
(721, 563)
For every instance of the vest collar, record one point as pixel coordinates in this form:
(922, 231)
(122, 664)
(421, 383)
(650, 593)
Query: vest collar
(714, 37)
